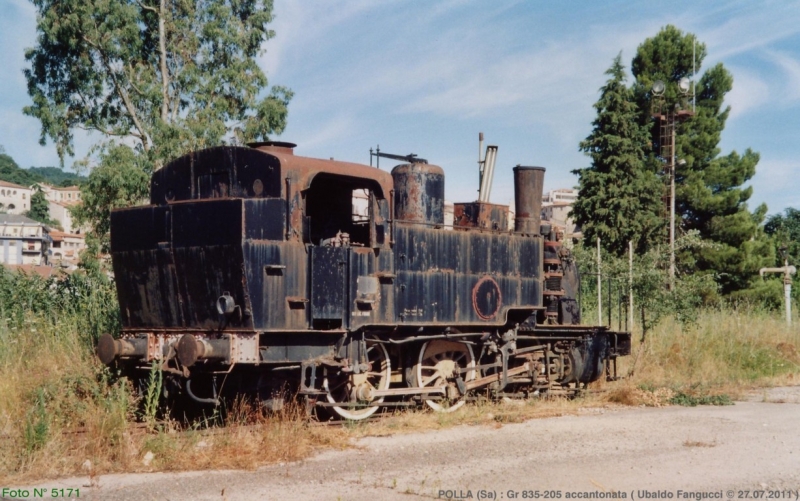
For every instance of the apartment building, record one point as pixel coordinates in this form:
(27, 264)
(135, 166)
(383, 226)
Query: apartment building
(23, 241)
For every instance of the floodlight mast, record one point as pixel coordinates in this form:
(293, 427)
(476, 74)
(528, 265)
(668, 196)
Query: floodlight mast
(667, 124)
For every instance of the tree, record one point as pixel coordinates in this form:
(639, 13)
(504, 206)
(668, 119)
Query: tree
(785, 229)
(11, 172)
(57, 177)
(40, 210)
(172, 76)
(710, 196)
(164, 76)
(122, 179)
(619, 198)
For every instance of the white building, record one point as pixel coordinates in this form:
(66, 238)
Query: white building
(59, 211)
(14, 199)
(568, 195)
(59, 201)
(66, 247)
(23, 240)
(556, 206)
(59, 194)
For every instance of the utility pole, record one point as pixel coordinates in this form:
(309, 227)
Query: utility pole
(787, 271)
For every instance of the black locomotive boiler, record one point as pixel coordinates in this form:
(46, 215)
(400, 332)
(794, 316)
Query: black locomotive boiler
(253, 270)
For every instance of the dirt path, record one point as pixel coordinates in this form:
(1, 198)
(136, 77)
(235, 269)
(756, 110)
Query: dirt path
(753, 445)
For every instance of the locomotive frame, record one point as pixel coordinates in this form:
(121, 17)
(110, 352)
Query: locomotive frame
(251, 272)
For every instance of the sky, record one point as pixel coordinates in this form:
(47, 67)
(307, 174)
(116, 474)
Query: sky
(426, 77)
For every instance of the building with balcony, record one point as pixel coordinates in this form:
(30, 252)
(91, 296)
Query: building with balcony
(23, 241)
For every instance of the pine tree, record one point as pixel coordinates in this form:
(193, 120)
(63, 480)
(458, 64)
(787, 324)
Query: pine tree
(710, 196)
(619, 199)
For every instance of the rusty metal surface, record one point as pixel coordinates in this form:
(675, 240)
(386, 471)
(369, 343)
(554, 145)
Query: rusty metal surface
(481, 215)
(528, 186)
(419, 193)
(438, 270)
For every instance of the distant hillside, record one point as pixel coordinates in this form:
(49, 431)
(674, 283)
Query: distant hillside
(13, 173)
(57, 177)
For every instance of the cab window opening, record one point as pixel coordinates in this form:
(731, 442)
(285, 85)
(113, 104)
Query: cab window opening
(339, 211)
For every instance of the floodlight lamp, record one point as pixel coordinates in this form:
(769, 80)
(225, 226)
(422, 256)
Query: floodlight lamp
(681, 162)
(658, 87)
(684, 85)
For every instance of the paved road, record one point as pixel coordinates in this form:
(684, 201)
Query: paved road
(685, 453)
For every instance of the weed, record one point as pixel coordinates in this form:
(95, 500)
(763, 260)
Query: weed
(686, 400)
(36, 426)
(152, 394)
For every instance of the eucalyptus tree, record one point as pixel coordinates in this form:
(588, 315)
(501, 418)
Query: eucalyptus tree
(157, 77)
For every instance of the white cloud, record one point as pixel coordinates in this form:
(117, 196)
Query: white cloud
(751, 28)
(790, 68)
(325, 134)
(299, 26)
(749, 92)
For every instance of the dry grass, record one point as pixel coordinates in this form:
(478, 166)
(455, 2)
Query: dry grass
(61, 413)
(725, 353)
(480, 412)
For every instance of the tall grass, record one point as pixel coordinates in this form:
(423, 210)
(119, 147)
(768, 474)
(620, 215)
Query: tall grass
(49, 380)
(63, 413)
(726, 350)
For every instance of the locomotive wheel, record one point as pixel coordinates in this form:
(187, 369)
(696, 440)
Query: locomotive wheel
(354, 388)
(437, 366)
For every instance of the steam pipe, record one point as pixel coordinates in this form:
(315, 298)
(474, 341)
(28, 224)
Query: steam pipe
(488, 173)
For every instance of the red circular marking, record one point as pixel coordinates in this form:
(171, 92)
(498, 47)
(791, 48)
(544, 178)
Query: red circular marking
(489, 285)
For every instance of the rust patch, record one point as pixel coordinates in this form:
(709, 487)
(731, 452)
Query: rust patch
(487, 298)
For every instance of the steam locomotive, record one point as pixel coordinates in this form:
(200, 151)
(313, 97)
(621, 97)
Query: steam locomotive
(251, 272)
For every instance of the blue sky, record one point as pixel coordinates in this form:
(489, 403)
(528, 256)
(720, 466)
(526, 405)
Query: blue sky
(425, 77)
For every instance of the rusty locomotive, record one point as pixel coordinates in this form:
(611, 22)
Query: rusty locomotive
(251, 272)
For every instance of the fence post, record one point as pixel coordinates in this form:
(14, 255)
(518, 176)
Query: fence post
(599, 288)
(630, 285)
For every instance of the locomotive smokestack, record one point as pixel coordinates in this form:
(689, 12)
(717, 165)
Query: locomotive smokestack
(528, 185)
